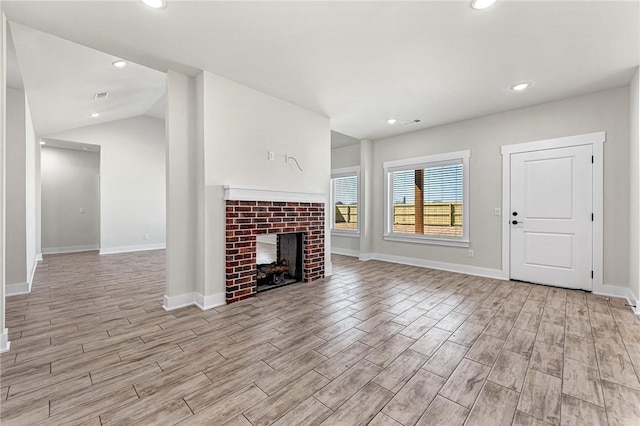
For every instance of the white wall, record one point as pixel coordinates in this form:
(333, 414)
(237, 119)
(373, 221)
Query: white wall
(21, 196)
(70, 182)
(607, 110)
(4, 334)
(16, 231)
(240, 125)
(181, 188)
(133, 182)
(634, 190)
(31, 145)
(366, 199)
(346, 156)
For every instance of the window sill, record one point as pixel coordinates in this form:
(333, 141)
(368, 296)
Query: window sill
(427, 240)
(352, 234)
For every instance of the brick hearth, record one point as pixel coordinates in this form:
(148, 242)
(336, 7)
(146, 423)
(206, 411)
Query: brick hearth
(246, 219)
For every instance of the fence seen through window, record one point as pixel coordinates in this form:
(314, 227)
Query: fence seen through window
(346, 203)
(428, 201)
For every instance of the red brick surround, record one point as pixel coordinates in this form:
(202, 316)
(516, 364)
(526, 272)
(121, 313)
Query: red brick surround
(246, 219)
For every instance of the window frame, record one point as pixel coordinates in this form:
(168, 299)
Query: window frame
(421, 163)
(340, 173)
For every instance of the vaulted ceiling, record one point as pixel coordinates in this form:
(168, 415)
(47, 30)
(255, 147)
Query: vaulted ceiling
(62, 78)
(362, 62)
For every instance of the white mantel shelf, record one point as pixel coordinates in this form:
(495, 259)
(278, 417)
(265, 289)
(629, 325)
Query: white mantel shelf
(234, 193)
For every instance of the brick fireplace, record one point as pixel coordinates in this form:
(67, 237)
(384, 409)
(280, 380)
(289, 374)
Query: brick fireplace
(245, 219)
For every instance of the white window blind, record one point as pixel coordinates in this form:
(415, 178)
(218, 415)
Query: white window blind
(441, 184)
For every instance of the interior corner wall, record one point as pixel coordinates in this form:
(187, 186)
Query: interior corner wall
(16, 230)
(346, 156)
(240, 126)
(634, 189)
(70, 182)
(602, 111)
(132, 181)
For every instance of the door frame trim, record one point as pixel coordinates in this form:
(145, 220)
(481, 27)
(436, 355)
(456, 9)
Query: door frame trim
(596, 140)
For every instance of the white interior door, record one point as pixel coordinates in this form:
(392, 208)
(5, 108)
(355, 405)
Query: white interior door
(551, 217)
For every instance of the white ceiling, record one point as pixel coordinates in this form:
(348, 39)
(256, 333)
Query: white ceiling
(62, 77)
(361, 62)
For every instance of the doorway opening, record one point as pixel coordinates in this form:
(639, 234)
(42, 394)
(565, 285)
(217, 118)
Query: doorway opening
(70, 197)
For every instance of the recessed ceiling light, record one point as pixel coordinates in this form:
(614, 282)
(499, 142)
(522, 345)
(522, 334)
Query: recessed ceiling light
(392, 121)
(95, 114)
(519, 87)
(119, 64)
(43, 143)
(482, 4)
(156, 4)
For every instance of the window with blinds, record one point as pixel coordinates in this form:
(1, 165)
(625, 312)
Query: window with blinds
(427, 199)
(345, 202)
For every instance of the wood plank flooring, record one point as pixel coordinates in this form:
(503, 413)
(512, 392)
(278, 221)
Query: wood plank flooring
(376, 343)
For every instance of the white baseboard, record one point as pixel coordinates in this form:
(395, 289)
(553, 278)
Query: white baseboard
(128, 249)
(5, 344)
(197, 299)
(21, 288)
(620, 293)
(633, 301)
(17, 289)
(39, 257)
(345, 252)
(210, 301)
(179, 301)
(328, 269)
(443, 266)
(33, 273)
(612, 291)
(365, 256)
(70, 249)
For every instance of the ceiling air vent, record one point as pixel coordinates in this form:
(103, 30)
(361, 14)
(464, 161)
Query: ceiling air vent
(101, 95)
(412, 122)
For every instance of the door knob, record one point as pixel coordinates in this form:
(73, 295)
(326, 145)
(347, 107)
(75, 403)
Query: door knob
(515, 222)
(515, 213)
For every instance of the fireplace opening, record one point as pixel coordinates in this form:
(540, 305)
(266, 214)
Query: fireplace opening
(286, 268)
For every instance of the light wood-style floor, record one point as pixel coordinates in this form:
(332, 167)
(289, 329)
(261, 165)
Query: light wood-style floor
(377, 343)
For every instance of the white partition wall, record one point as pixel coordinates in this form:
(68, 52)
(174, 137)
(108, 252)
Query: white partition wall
(634, 192)
(4, 333)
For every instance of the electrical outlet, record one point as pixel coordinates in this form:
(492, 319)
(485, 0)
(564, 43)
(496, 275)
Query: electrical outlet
(497, 211)
(271, 155)
(286, 158)
(81, 210)
(471, 254)
(145, 236)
